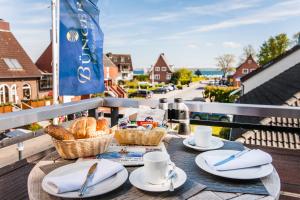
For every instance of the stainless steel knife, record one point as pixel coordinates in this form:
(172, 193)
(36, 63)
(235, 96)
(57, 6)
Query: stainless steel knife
(89, 178)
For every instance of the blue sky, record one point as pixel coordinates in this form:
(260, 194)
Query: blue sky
(190, 32)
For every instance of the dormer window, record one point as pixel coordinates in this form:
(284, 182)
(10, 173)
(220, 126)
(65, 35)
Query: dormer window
(245, 71)
(13, 64)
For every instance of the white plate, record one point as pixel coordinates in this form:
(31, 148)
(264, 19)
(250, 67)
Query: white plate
(136, 178)
(101, 188)
(215, 143)
(241, 174)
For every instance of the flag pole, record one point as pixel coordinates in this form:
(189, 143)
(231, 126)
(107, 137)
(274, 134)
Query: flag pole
(55, 52)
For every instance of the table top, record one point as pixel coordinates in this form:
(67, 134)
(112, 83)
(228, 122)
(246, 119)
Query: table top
(35, 191)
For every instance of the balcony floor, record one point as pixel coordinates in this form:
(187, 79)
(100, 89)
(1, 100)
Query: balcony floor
(13, 178)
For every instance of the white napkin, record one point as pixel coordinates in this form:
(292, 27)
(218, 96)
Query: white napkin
(252, 158)
(73, 181)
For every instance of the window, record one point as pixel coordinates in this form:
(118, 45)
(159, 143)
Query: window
(13, 64)
(245, 71)
(46, 82)
(169, 76)
(157, 69)
(164, 69)
(122, 59)
(4, 94)
(249, 61)
(156, 76)
(13, 92)
(26, 91)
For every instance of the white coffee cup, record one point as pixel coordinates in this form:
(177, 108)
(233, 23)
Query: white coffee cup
(156, 167)
(203, 136)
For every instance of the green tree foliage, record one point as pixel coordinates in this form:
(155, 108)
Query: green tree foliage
(198, 72)
(272, 48)
(183, 76)
(142, 77)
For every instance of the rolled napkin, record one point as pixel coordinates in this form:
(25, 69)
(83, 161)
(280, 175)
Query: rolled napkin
(73, 181)
(251, 158)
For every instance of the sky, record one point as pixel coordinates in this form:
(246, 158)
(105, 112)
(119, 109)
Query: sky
(191, 33)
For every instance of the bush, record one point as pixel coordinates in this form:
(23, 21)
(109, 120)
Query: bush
(144, 87)
(152, 88)
(185, 82)
(141, 77)
(220, 94)
(130, 91)
(34, 127)
(181, 75)
(159, 85)
(225, 133)
(132, 84)
(179, 87)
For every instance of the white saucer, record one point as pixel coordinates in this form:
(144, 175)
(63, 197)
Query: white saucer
(215, 143)
(240, 174)
(136, 178)
(101, 188)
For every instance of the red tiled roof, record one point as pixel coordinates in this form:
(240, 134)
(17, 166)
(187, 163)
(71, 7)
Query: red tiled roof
(44, 63)
(162, 62)
(10, 48)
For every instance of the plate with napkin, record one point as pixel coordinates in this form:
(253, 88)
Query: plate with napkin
(247, 164)
(67, 180)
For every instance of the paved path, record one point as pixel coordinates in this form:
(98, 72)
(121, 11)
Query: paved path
(187, 93)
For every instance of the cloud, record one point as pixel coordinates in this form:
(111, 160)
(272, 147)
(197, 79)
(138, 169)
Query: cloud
(211, 9)
(233, 45)
(279, 11)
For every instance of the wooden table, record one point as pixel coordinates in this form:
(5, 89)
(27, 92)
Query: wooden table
(35, 191)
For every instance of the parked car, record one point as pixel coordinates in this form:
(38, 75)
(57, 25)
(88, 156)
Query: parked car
(162, 90)
(209, 116)
(141, 93)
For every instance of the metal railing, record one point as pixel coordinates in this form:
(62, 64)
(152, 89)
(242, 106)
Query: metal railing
(25, 117)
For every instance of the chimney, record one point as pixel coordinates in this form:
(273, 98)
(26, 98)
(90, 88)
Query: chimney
(4, 26)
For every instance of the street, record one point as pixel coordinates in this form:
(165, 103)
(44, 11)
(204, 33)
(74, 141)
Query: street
(187, 93)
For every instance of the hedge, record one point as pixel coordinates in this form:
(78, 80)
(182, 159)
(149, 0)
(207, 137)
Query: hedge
(220, 94)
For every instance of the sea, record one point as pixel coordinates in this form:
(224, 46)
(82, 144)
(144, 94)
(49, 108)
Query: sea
(211, 72)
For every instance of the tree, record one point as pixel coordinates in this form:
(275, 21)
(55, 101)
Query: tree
(248, 51)
(183, 76)
(198, 72)
(296, 39)
(272, 48)
(225, 63)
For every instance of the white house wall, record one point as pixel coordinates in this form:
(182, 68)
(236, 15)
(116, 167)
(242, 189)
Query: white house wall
(274, 70)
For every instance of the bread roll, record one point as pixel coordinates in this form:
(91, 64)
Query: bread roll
(102, 124)
(59, 132)
(84, 127)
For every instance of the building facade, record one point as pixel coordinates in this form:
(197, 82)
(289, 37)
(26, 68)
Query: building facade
(124, 64)
(161, 71)
(245, 68)
(19, 76)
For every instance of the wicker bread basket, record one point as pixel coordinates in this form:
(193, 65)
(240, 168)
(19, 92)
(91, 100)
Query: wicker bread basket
(71, 149)
(140, 137)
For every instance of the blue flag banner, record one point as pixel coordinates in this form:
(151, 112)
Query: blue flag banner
(80, 48)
